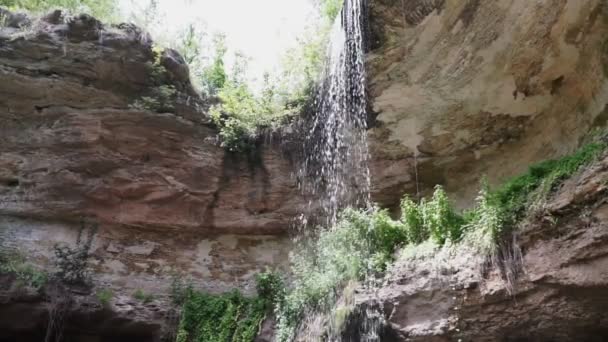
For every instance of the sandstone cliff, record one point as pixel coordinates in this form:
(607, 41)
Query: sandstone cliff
(166, 196)
(466, 88)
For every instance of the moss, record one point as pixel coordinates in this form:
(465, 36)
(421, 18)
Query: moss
(515, 194)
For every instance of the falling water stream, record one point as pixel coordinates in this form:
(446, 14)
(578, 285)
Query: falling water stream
(336, 164)
(336, 151)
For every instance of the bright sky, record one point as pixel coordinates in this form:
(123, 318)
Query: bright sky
(262, 29)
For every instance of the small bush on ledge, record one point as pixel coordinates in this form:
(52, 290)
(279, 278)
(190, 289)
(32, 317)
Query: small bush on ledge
(104, 296)
(72, 263)
(161, 96)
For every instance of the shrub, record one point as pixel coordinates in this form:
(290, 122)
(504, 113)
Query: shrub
(160, 100)
(516, 194)
(330, 8)
(180, 289)
(485, 223)
(229, 317)
(14, 263)
(361, 244)
(440, 219)
(72, 263)
(105, 296)
(241, 114)
(270, 286)
(143, 297)
(160, 97)
(413, 222)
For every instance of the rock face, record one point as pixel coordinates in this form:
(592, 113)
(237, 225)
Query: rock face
(559, 295)
(166, 197)
(459, 89)
(467, 88)
(79, 317)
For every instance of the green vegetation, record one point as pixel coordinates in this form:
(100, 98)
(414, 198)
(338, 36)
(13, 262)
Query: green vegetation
(72, 263)
(160, 99)
(242, 113)
(161, 96)
(330, 8)
(26, 274)
(363, 243)
(143, 297)
(105, 296)
(229, 317)
(212, 77)
(102, 9)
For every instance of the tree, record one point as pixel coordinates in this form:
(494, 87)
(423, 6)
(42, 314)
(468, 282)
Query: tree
(213, 77)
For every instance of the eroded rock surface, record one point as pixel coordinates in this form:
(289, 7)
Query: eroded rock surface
(167, 198)
(467, 88)
(560, 294)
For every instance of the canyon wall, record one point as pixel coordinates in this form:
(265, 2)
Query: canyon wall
(468, 88)
(458, 89)
(165, 196)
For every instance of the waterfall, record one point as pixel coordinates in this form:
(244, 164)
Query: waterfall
(336, 158)
(336, 151)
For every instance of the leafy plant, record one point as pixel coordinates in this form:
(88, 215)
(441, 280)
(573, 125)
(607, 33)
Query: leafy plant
(143, 297)
(413, 222)
(228, 317)
(160, 100)
(180, 289)
(516, 193)
(14, 263)
(485, 222)
(213, 77)
(330, 8)
(361, 243)
(160, 96)
(72, 263)
(105, 296)
(270, 286)
(240, 114)
(440, 219)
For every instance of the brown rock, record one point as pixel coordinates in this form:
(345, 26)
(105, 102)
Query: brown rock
(167, 198)
(476, 88)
